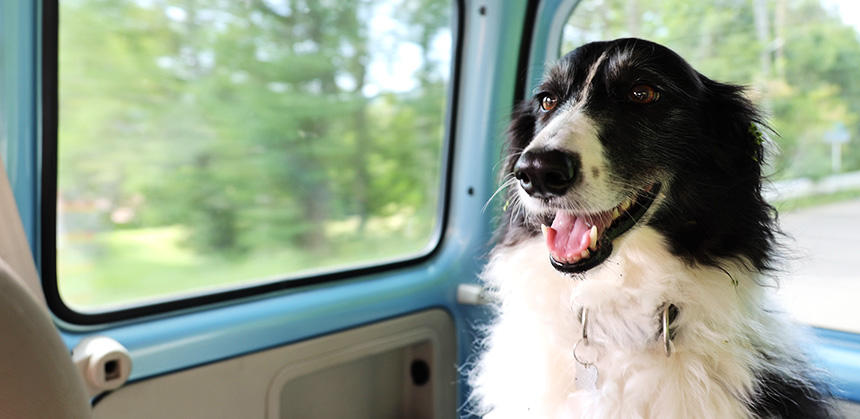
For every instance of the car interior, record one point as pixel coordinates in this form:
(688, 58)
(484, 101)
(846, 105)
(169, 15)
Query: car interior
(281, 208)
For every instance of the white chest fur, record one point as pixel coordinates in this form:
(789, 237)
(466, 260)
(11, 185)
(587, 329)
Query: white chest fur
(528, 368)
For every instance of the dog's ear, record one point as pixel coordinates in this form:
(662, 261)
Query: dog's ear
(734, 122)
(520, 133)
(747, 224)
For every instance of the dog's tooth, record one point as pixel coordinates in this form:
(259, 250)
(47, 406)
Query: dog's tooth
(584, 254)
(615, 213)
(625, 205)
(544, 229)
(593, 236)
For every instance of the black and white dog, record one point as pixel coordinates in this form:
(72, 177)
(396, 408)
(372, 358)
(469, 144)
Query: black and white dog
(628, 272)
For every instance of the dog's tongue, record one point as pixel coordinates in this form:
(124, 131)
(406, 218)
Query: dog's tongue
(569, 236)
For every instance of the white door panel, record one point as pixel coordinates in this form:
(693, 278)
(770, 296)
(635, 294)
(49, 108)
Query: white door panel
(403, 367)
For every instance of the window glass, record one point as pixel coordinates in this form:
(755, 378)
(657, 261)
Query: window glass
(215, 143)
(799, 59)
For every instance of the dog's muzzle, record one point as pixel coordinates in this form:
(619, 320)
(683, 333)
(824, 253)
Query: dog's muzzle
(547, 173)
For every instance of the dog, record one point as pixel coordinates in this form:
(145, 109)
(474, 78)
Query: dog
(631, 265)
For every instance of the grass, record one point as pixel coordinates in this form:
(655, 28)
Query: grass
(795, 204)
(101, 270)
(98, 271)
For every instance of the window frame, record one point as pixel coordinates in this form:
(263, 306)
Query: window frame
(48, 158)
(549, 35)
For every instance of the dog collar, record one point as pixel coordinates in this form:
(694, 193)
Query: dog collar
(586, 370)
(668, 312)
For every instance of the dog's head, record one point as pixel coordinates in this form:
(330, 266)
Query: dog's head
(625, 133)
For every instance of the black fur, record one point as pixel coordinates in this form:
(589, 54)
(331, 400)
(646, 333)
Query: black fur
(698, 133)
(782, 397)
(699, 136)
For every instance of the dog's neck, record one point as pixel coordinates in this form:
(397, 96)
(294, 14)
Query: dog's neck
(724, 321)
(587, 375)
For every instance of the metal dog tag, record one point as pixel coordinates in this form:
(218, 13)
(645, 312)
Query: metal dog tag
(586, 377)
(586, 371)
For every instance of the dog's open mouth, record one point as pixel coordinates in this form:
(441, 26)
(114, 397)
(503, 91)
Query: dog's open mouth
(578, 243)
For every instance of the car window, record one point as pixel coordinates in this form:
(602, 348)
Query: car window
(799, 59)
(211, 144)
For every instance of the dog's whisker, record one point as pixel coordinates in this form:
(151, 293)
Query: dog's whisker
(511, 181)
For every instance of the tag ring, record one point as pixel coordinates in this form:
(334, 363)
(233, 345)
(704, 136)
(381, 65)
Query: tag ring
(667, 340)
(583, 339)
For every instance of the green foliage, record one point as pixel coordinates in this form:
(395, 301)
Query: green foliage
(795, 204)
(253, 127)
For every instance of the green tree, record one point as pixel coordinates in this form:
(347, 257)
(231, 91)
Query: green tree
(250, 123)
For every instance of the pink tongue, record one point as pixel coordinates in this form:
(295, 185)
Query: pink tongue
(570, 235)
(570, 239)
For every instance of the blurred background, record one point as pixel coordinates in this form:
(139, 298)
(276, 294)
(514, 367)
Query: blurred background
(212, 142)
(217, 143)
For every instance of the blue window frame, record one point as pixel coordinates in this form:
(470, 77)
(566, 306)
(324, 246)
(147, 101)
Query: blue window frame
(49, 188)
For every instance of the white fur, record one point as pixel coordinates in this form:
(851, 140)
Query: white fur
(572, 130)
(528, 370)
(575, 132)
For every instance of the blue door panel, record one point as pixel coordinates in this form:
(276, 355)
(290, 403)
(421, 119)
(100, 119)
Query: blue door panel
(838, 354)
(19, 114)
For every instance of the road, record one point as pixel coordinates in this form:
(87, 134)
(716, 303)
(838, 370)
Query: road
(821, 285)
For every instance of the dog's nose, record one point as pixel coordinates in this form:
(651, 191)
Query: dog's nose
(546, 173)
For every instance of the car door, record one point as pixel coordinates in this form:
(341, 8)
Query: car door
(269, 205)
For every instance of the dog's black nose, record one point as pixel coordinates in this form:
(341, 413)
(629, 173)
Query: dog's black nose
(546, 173)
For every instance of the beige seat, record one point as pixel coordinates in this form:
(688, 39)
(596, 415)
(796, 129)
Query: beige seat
(37, 376)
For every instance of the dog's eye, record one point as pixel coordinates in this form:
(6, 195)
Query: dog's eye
(643, 93)
(548, 103)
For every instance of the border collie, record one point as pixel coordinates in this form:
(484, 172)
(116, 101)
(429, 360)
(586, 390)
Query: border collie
(629, 270)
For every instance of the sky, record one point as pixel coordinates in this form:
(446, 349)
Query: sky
(849, 10)
(394, 60)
